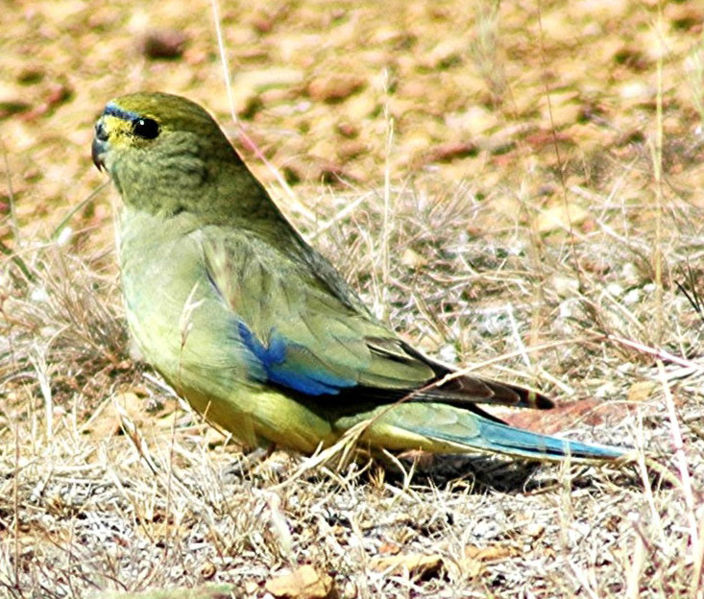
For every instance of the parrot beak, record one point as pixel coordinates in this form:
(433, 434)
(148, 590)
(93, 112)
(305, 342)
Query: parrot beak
(99, 146)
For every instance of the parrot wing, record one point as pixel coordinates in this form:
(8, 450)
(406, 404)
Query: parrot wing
(304, 330)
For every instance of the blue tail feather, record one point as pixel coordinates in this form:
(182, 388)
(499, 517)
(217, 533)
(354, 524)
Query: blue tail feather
(499, 437)
(515, 439)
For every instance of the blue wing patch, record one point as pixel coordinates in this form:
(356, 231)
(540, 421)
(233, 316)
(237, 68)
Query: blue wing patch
(293, 374)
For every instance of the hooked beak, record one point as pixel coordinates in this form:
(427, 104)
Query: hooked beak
(99, 146)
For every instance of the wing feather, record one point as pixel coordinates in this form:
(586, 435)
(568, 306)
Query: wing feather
(307, 332)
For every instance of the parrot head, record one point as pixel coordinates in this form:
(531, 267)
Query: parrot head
(166, 154)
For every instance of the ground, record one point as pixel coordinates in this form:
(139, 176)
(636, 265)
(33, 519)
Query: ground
(515, 187)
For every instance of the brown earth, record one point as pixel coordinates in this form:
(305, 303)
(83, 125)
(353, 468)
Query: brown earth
(542, 165)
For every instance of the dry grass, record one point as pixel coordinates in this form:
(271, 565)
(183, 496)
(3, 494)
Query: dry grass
(562, 252)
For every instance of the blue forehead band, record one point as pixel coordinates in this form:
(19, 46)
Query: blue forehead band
(112, 109)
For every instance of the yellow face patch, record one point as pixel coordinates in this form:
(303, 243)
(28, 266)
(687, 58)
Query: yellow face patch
(121, 126)
(116, 128)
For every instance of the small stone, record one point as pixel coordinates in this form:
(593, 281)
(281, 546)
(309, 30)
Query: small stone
(335, 87)
(163, 44)
(303, 583)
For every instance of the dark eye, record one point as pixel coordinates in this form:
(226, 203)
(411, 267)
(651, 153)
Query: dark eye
(145, 128)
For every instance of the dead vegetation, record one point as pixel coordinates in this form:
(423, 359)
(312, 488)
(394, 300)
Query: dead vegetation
(523, 197)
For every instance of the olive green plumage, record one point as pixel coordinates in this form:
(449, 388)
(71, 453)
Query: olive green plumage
(256, 329)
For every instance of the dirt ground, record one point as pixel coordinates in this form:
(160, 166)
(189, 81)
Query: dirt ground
(517, 188)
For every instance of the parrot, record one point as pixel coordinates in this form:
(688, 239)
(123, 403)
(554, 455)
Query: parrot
(256, 329)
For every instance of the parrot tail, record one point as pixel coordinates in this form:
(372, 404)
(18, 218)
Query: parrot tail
(495, 436)
(446, 429)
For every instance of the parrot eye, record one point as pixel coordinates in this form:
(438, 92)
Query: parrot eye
(145, 128)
